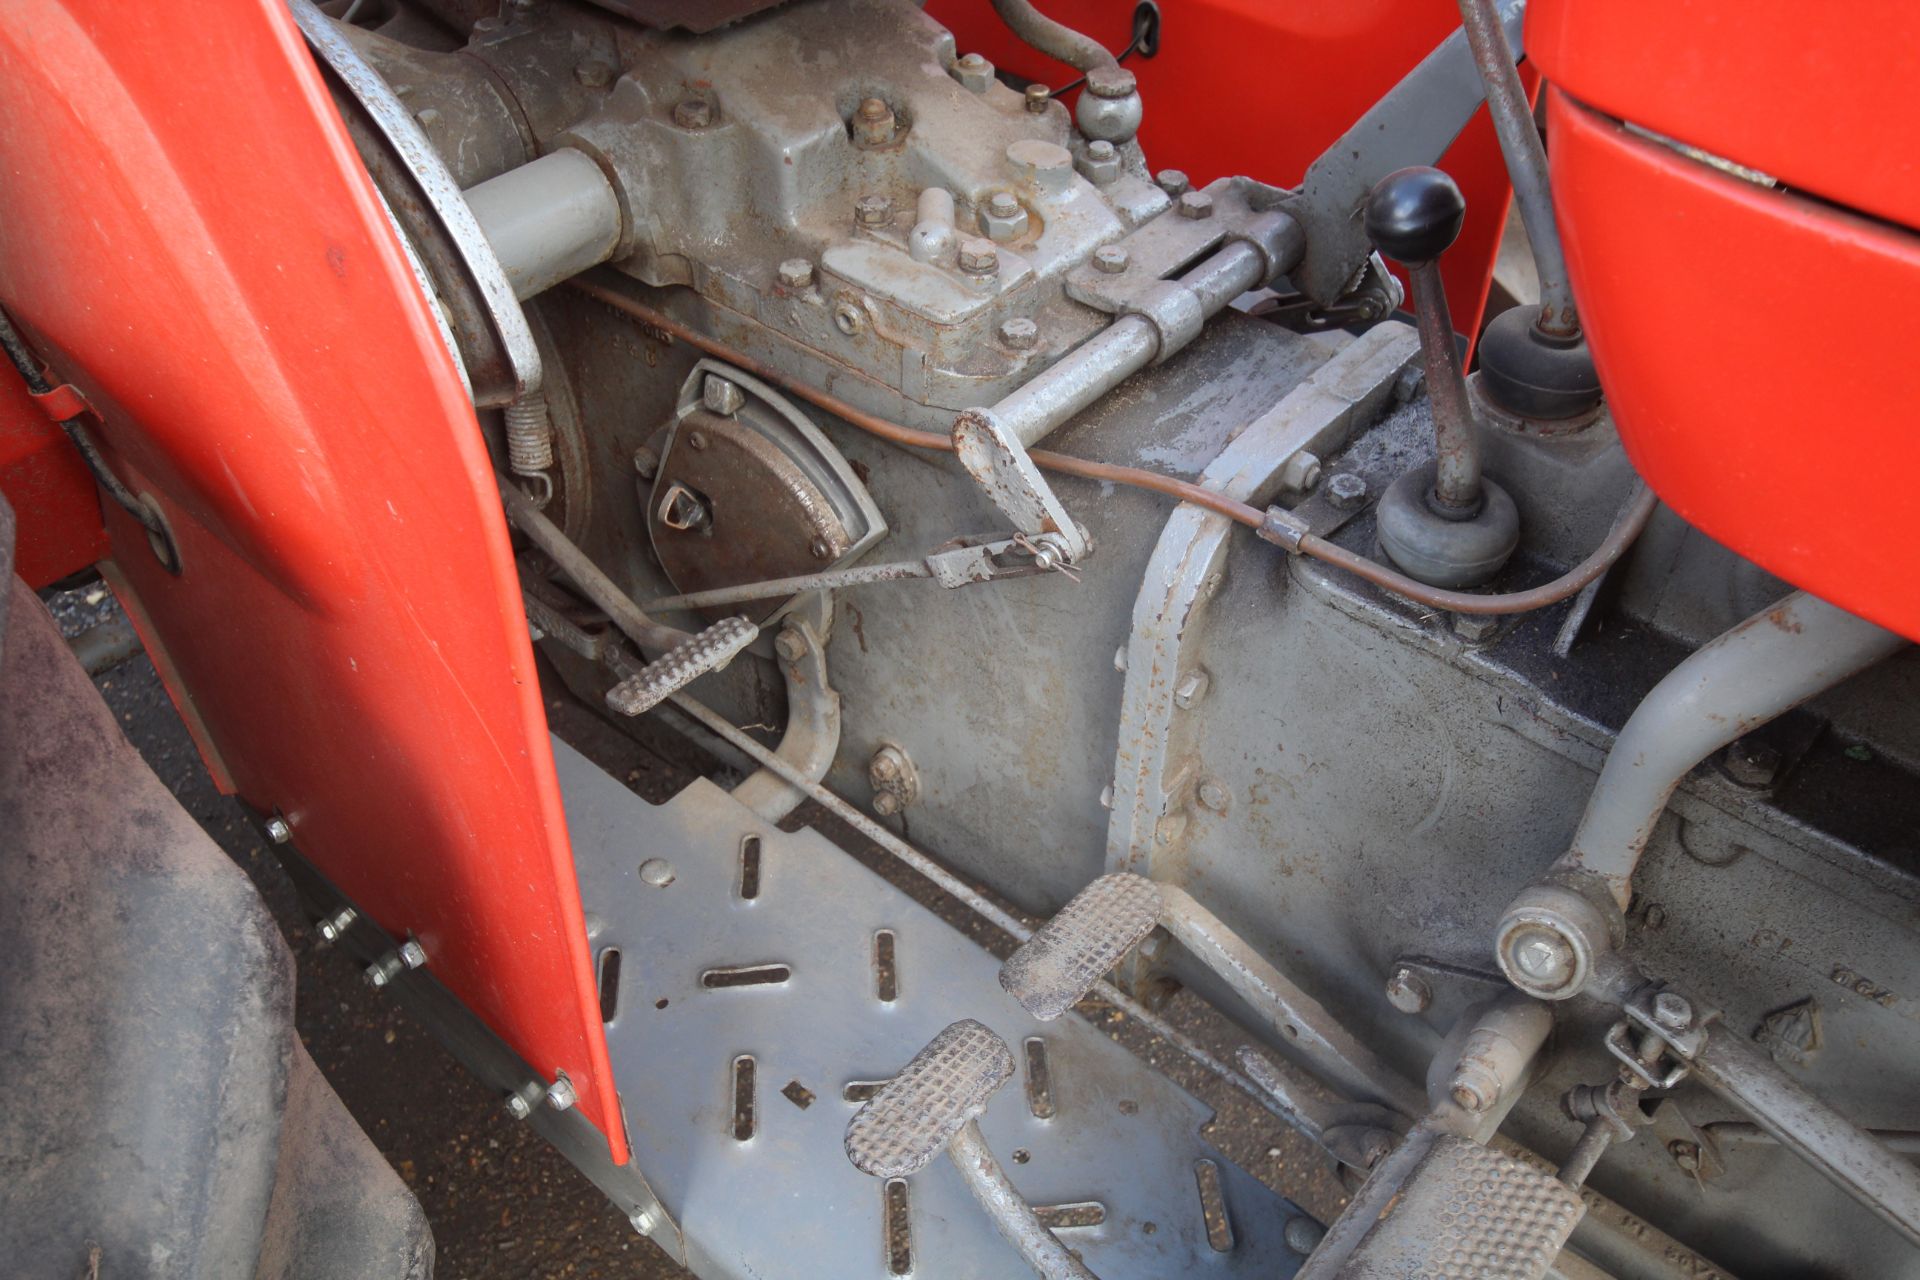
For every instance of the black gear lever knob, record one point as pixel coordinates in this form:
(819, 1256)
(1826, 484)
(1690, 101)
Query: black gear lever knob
(1414, 214)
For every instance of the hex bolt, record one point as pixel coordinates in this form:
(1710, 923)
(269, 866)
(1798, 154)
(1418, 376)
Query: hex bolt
(1174, 182)
(1038, 96)
(873, 123)
(1002, 218)
(1101, 162)
(1196, 205)
(974, 73)
(1303, 1235)
(1110, 259)
(409, 955)
(886, 804)
(335, 926)
(1301, 471)
(796, 273)
(561, 1096)
(278, 831)
(1002, 204)
(693, 113)
(790, 645)
(873, 211)
(1346, 490)
(721, 396)
(518, 1107)
(978, 257)
(643, 1222)
(1214, 795)
(1672, 1011)
(1475, 628)
(1407, 990)
(1020, 333)
(412, 954)
(1189, 692)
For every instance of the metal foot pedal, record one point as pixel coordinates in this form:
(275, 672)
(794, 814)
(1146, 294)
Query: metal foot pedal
(681, 665)
(1055, 968)
(1464, 1212)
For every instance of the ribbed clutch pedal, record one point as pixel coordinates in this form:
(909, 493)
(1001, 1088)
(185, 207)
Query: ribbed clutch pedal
(681, 665)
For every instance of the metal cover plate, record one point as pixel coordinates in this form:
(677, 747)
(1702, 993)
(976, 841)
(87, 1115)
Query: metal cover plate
(786, 1201)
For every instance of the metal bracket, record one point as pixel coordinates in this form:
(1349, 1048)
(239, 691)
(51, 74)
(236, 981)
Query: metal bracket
(61, 404)
(1622, 1044)
(1001, 466)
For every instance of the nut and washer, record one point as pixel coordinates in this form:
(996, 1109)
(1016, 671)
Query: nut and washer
(895, 782)
(1020, 333)
(1100, 162)
(335, 926)
(1174, 182)
(1110, 259)
(873, 123)
(873, 211)
(1002, 218)
(1300, 472)
(721, 396)
(1408, 991)
(974, 73)
(693, 113)
(278, 831)
(796, 273)
(1196, 205)
(561, 1096)
(518, 1107)
(978, 257)
(1038, 96)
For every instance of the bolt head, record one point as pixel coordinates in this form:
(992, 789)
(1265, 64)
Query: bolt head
(873, 211)
(1188, 693)
(874, 109)
(978, 257)
(1407, 990)
(278, 831)
(873, 123)
(1543, 957)
(1195, 205)
(1020, 333)
(1002, 204)
(1467, 1099)
(790, 645)
(657, 872)
(643, 1222)
(412, 954)
(721, 396)
(884, 767)
(1110, 259)
(1214, 795)
(561, 1096)
(1303, 1235)
(1038, 96)
(693, 113)
(378, 976)
(518, 1107)
(328, 931)
(1672, 1011)
(1174, 182)
(796, 273)
(886, 804)
(1111, 82)
(1101, 149)
(1346, 490)
(974, 73)
(1100, 162)
(1685, 1154)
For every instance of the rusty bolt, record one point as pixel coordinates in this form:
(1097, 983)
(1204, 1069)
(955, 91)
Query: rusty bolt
(886, 804)
(1020, 333)
(796, 273)
(721, 396)
(1189, 692)
(1174, 182)
(1407, 991)
(1038, 96)
(1214, 795)
(790, 645)
(820, 549)
(1672, 1011)
(873, 211)
(693, 113)
(1196, 205)
(974, 73)
(1346, 490)
(885, 766)
(873, 123)
(1110, 259)
(978, 257)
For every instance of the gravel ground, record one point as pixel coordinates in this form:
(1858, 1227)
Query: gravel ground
(502, 1203)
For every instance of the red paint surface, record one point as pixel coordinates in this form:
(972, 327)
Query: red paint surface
(1261, 88)
(187, 235)
(55, 503)
(1785, 434)
(1820, 96)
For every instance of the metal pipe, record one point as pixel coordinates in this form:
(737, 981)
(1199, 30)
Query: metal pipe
(1767, 665)
(1884, 1182)
(1586, 1153)
(1009, 1210)
(1055, 39)
(1302, 1022)
(1122, 349)
(1733, 1133)
(586, 575)
(1526, 163)
(1456, 437)
(931, 239)
(548, 220)
(774, 588)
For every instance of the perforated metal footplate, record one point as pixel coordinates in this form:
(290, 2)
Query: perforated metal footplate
(752, 1016)
(1057, 966)
(681, 665)
(910, 1121)
(1468, 1213)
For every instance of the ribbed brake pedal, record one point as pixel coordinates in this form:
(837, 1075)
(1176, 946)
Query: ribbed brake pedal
(916, 1114)
(1057, 966)
(681, 665)
(1468, 1213)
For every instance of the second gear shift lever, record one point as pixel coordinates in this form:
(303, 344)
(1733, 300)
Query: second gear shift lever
(1444, 523)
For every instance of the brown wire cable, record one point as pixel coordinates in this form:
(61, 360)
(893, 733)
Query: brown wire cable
(1627, 525)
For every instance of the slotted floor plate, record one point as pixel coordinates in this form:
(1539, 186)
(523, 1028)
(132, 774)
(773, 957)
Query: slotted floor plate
(751, 995)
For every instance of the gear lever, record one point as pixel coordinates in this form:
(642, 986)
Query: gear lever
(1444, 523)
